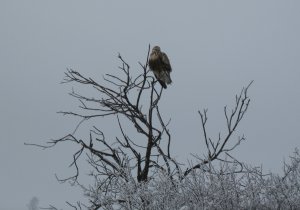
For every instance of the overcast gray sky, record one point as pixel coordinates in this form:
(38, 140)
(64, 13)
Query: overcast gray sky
(215, 48)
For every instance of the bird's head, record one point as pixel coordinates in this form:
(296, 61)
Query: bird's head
(156, 49)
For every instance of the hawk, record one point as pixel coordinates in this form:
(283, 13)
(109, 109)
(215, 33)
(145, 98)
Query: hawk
(160, 65)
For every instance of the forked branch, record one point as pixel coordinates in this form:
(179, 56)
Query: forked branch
(233, 118)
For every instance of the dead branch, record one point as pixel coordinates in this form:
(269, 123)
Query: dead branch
(219, 146)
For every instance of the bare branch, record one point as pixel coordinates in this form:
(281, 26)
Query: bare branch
(216, 149)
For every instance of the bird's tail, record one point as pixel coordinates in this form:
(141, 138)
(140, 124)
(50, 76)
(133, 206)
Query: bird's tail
(165, 76)
(163, 84)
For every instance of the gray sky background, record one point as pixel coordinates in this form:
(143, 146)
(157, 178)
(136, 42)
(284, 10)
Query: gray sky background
(215, 48)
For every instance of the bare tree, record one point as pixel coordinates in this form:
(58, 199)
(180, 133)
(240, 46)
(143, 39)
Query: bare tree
(122, 167)
(124, 100)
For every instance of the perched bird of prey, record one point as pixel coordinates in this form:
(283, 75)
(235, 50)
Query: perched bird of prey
(160, 65)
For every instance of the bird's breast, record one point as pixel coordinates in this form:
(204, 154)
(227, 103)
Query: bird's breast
(154, 63)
